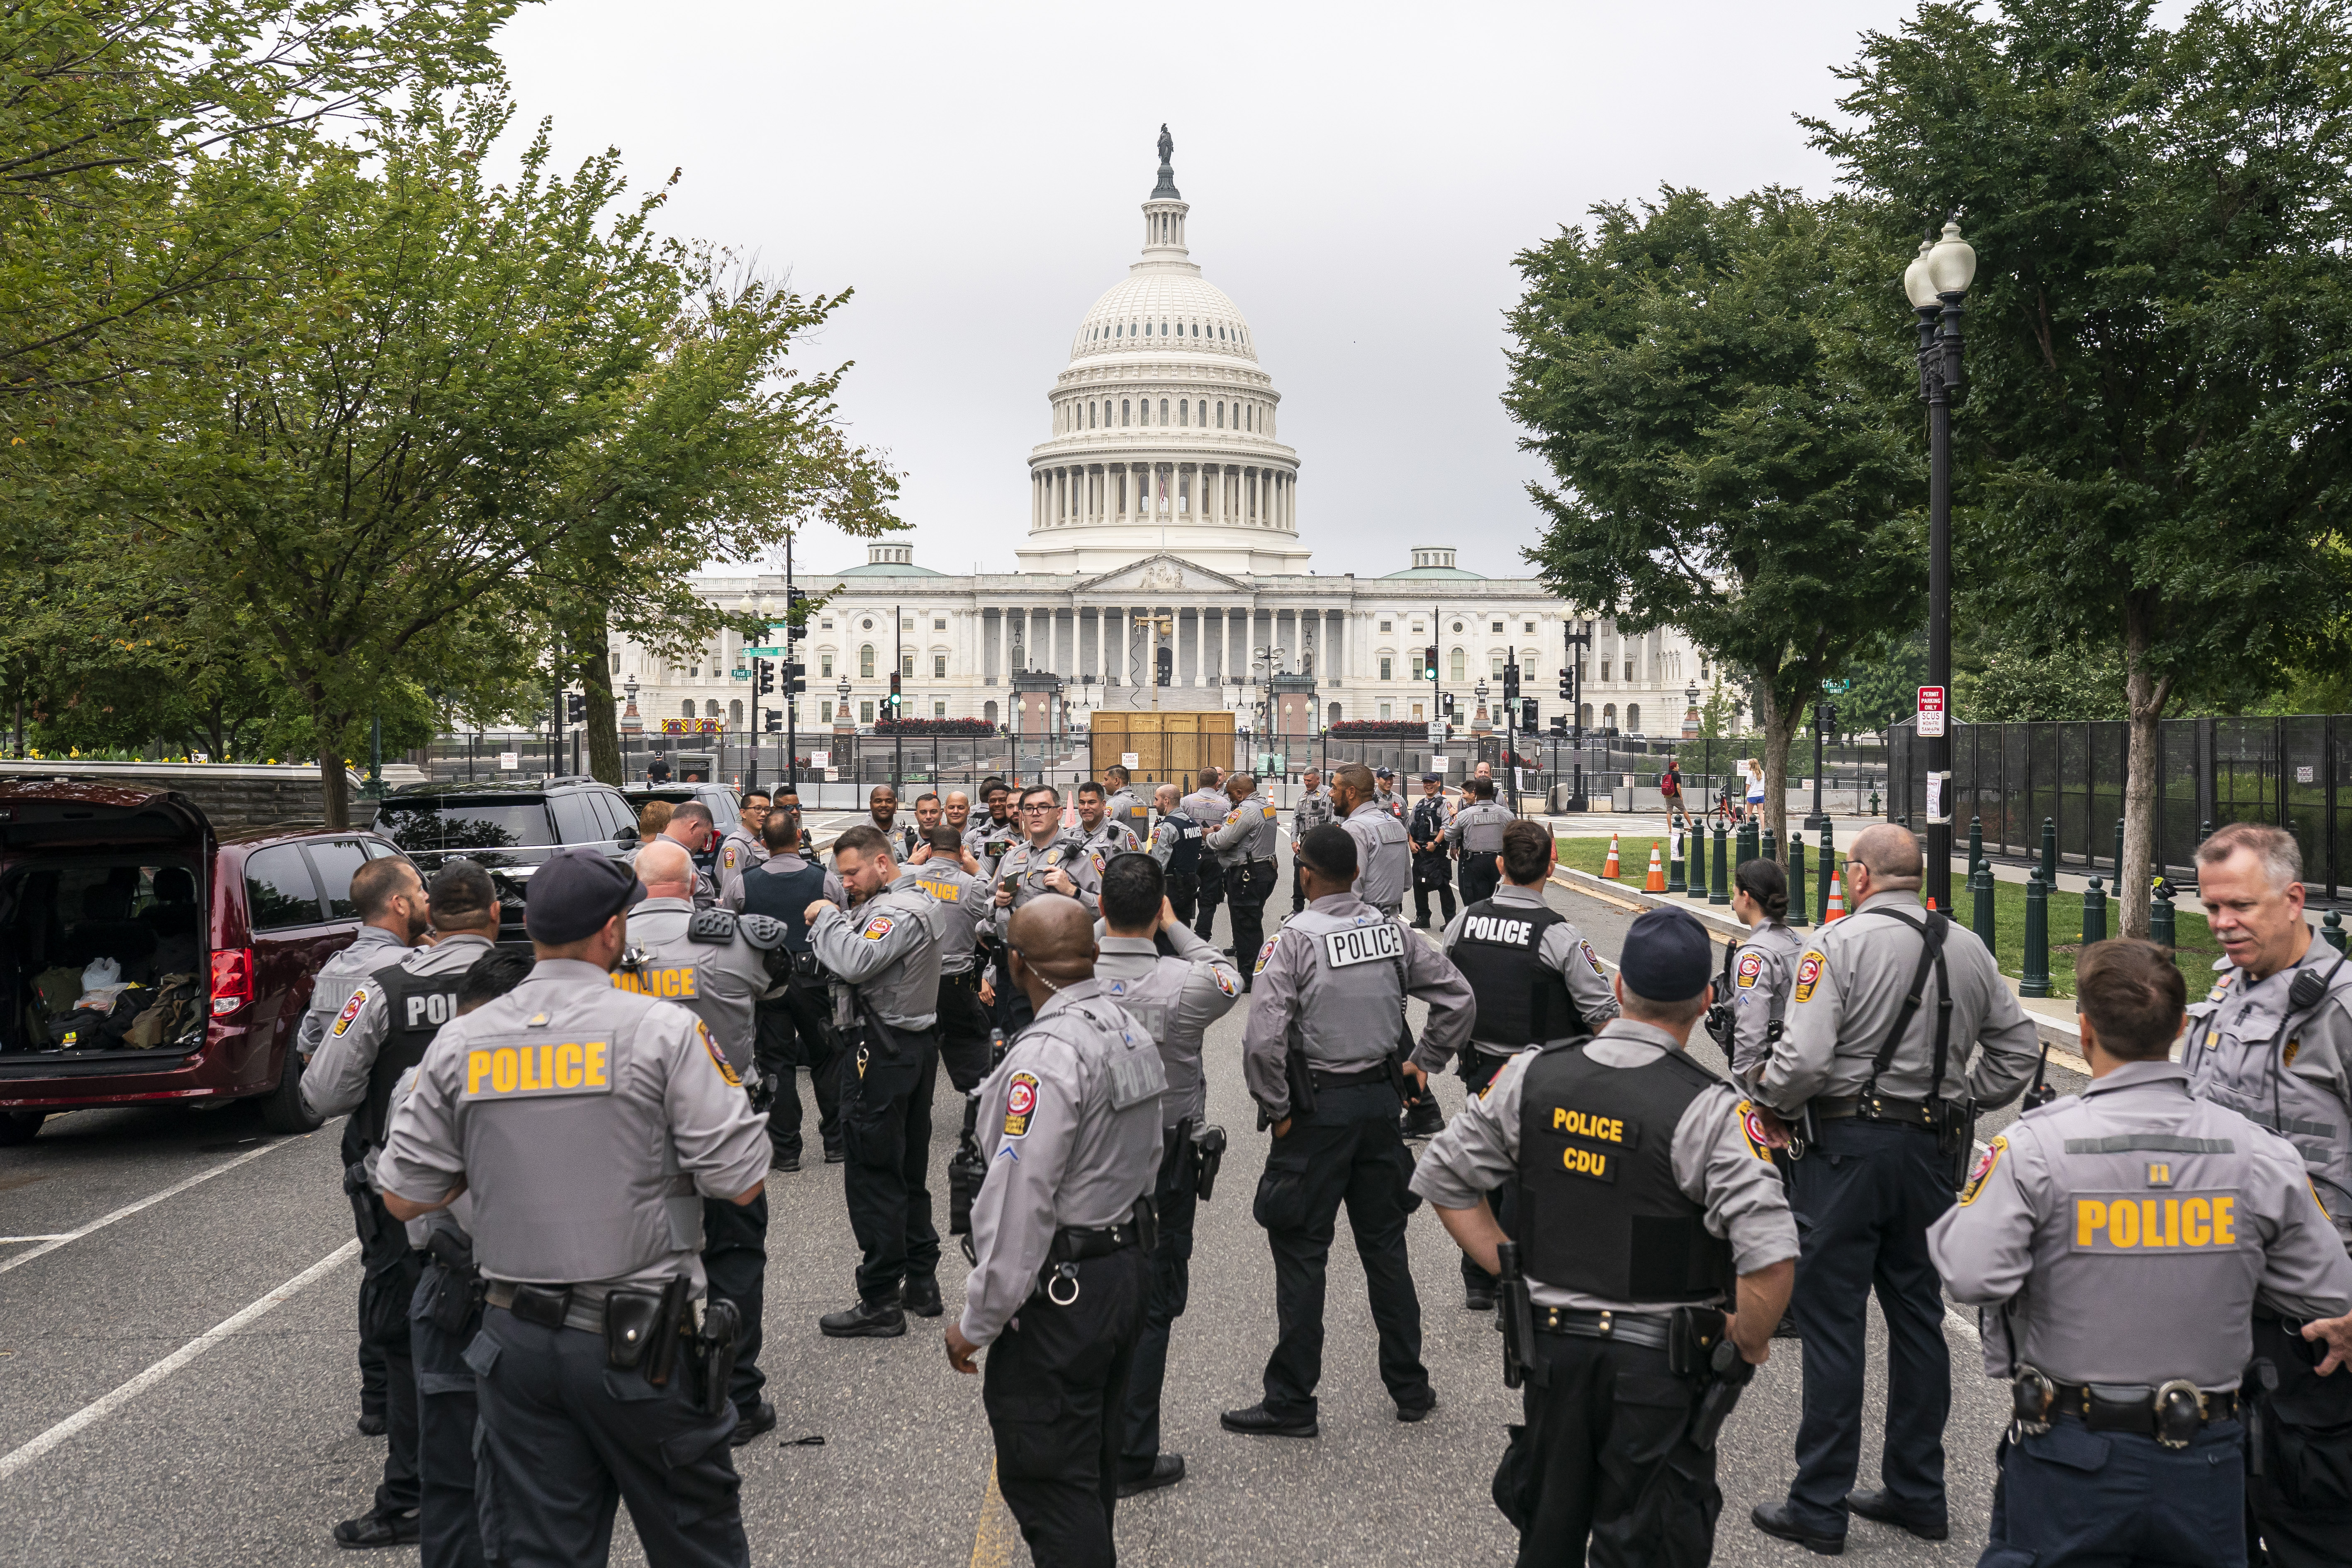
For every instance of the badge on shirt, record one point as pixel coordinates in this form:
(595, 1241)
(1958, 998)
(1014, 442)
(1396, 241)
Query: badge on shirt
(2221, 987)
(1591, 958)
(1262, 954)
(876, 928)
(2287, 1058)
(1098, 858)
(1809, 974)
(726, 858)
(1020, 1104)
(1749, 968)
(1751, 1127)
(1991, 1157)
(351, 1010)
(719, 1057)
(1226, 983)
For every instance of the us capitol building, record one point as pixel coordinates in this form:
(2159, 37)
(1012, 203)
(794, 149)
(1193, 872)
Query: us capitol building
(1163, 528)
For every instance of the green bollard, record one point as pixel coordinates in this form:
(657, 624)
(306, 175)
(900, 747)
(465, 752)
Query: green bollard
(1797, 880)
(2159, 916)
(1982, 884)
(2036, 981)
(2049, 852)
(1770, 849)
(2331, 929)
(1675, 882)
(2094, 913)
(1975, 843)
(1719, 890)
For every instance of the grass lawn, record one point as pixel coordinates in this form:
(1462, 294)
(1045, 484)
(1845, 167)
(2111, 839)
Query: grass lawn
(2195, 948)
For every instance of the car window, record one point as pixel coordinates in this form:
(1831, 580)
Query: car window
(724, 816)
(478, 828)
(620, 817)
(576, 821)
(279, 889)
(335, 860)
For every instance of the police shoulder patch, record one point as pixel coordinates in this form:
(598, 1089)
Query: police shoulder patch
(1592, 958)
(1225, 982)
(1984, 1162)
(1809, 974)
(351, 1011)
(717, 1057)
(1264, 954)
(1751, 967)
(726, 858)
(1020, 1104)
(876, 928)
(1751, 1127)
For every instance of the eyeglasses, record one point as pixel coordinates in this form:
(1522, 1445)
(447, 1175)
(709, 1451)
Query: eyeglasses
(1038, 806)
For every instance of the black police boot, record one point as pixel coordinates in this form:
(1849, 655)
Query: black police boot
(921, 1297)
(835, 1151)
(866, 1321)
(1423, 1119)
(750, 1423)
(372, 1423)
(1257, 1421)
(1166, 1470)
(377, 1528)
(1887, 1511)
(1416, 1412)
(782, 1162)
(1477, 1297)
(1777, 1519)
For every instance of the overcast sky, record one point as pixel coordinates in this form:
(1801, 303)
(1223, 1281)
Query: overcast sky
(1360, 176)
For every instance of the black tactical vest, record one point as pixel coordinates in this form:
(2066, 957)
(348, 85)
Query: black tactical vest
(1184, 860)
(420, 1004)
(785, 896)
(1521, 1002)
(1600, 1212)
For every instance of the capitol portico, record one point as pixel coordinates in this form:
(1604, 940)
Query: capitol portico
(1163, 528)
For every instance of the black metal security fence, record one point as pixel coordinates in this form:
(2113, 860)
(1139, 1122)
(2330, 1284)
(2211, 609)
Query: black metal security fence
(2292, 772)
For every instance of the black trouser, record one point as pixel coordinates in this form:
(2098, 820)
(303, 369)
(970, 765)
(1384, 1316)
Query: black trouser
(371, 1372)
(2301, 1503)
(1212, 893)
(963, 1030)
(1347, 1151)
(1247, 888)
(1476, 1070)
(1865, 1196)
(1184, 894)
(564, 1438)
(1431, 874)
(446, 1408)
(389, 1271)
(796, 1029)
(1298, 886)
(886, 1124)
(1601, 1460)
(1479, 876)
(1054, 1387)
(2073, 1496)
(735, 1262)
(1176, 1199)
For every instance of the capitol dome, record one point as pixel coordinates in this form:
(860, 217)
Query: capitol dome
(1164, 431)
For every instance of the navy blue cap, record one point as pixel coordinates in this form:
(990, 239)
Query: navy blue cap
(1666, 957)
(1432, 778)
(1382, 774)
(571, 897)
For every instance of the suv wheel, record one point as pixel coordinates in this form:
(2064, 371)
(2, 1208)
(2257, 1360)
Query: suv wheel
(282, 1111)
(20, 1127)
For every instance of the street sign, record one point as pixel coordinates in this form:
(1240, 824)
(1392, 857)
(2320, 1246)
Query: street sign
(742, 672)
(761, 653)
(1131, 759)
(1931, 711)
(1437, 734)
(819, 759)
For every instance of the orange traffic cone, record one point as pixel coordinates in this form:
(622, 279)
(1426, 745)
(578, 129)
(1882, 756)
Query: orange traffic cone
(1609, 866)
(1836, 911)
(1656, 882)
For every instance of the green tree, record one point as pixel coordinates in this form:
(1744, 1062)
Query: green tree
(1724, 457)
(2153, 448)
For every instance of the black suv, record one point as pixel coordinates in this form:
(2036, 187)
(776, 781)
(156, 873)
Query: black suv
(509, 829)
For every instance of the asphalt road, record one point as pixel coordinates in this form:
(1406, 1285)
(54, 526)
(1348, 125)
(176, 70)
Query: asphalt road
(178, 1382)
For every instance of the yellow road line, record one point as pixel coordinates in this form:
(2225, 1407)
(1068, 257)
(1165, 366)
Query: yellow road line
(992, 1542)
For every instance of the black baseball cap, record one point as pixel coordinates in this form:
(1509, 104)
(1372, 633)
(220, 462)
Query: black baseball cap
(1382, 774)
(571, 897)
(1665, 957)
(1432, 778)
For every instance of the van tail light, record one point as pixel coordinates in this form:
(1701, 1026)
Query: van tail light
(232, 979)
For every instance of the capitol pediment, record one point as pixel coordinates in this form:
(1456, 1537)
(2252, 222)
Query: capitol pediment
(1164, 573)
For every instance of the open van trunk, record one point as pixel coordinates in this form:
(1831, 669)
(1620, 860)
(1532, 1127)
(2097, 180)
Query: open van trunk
(103, 949)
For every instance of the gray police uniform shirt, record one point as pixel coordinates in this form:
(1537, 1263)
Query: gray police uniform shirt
(1170, 832)
(888, 948)
(1477, 830)
(1207, 807)
(589, 1124)
(989, 840)
(1126, 808)
(1383, 857)
(336, 1080)
(1112, 837)
(1386, 799)
(719, 983)
(2292, 1075)
(332, 987)
(738, 853)
(1314, 810)
(963, 900)
(1176, 999)
(1335, 977)
(1717, 1163)
(1564, 951)
(1070, 1124)
(1247, 831)
(458, 1217)
(1029, 869)
(1851, 981)
(2123, 1235)
(1763, 975)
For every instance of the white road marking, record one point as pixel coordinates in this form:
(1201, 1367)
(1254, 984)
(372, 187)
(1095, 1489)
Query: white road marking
(48, 1244)
(18, 1240)
(98, 1409)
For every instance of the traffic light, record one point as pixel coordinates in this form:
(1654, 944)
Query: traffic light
(795, 614)
(1445, 704)
(775, 721)
(575, 708)
(1567, 689)
(894, 699)
(1165, 665)
(1429, 666)
(763, 677)
(1527, 718)
(795, 678)
(1510, 679)
(1559, 723)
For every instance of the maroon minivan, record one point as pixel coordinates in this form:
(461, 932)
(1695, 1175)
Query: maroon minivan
(213, 939)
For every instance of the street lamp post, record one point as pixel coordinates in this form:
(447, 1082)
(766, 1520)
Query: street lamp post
(1936, 284)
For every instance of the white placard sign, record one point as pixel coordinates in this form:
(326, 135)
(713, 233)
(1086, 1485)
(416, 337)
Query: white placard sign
(509, 762)
(1131, 759)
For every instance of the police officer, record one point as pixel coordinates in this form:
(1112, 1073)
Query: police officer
(393, 914)
(1047, 859)
(389, 1018)
(2086, 1232)
(945, 871)
(742, 849)
(1383, 851)
(1477, 833)
(1126, 806)
(1176, 844)
(1646, 1211)
(1176, 998)
(884, 965)
(586, 1124)
(1536, 980)
(1313, 810)
(1384, 793)
(1879, 1064)
(957, 812)
(1433, 872)
(927, 816)
(2271, 1040)
(1071, 1124)
(715, 965)
(1244, 842)
(1207, 806)
(882, 813)
(794, 1019)
(1760, 970)
(691, 827)
(1103, 832)
(1335, 979)
(989, 838)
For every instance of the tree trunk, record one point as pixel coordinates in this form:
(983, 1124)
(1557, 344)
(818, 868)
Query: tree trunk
(592, 649)
(1780, 730)
(2146, 696)
(334, 788)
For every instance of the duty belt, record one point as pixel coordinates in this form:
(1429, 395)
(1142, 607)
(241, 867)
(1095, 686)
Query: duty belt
(1251, 860)
(548, 1306)
(2105, 1407)
(1377, 1073)
(1076, 1244)
(1918, 1113)
(1632, 1328)
(968, 978)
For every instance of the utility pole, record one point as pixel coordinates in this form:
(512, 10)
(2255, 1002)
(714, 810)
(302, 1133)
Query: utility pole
(898, 697)
(792, 708)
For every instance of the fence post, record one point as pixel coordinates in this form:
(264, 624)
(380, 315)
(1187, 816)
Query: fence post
(1676, 882)
(2050, 850)
(1981, 883)
(2035, 980)
(2331, 929)
(2160, 915)
(2094, 913)
(1718, 878)
(1797, 878)
(1975, 843)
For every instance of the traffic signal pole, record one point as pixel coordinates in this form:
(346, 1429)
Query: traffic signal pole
(792, 709)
